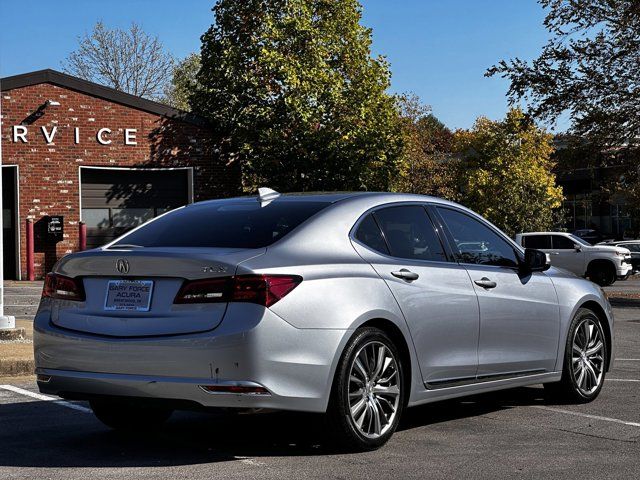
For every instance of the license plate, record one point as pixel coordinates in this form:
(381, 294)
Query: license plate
(130, 295)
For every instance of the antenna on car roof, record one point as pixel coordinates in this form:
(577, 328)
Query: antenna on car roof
(266, 196)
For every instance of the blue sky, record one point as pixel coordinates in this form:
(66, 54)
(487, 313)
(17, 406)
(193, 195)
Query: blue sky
(438, 49)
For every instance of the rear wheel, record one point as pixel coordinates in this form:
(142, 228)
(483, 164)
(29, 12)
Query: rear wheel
(368, 393)
(584, 360)
(129, 415)
(604, 274)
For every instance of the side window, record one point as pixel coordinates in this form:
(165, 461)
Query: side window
(410, 233)
(539, 242)
(563, 243)
(369, 234)
(477, 243)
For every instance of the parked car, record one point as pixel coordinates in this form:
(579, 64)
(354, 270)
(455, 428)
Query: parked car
(590, 235)
(602, 264)
(357, 305)
(633, 246)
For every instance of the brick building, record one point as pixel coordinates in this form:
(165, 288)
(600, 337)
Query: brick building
(85, 152)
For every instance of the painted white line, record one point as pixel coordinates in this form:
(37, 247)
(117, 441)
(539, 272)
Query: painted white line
(627, 360)
(46, 398)
(586, 415)
(622, 380)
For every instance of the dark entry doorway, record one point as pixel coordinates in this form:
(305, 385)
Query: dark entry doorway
(9, 222)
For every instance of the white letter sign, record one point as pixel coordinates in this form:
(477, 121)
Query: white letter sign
(20, 131)
(49, 136)
(101, 140)
(130, 136)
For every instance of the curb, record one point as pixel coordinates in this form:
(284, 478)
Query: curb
(13, 334)
(12, 367)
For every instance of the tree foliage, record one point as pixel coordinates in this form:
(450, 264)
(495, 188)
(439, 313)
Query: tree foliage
(296, 97)
(508, 173)
(588, 68)
(184, 82)
(127, 60)
(428, 165)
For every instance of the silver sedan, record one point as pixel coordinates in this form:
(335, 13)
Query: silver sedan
(358, 305)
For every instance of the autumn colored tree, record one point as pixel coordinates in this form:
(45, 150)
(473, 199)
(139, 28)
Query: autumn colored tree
(428, 165)
(296, 97)
(508, 173)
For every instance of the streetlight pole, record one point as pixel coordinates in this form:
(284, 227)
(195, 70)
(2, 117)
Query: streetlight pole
(6, 322)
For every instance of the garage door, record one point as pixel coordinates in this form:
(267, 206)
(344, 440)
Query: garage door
(115, 201)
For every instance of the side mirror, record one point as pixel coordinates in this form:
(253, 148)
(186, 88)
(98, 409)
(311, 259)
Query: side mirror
(577, 247)
(536, 260)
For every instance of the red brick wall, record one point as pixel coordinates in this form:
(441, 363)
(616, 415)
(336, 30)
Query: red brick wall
(49, 174)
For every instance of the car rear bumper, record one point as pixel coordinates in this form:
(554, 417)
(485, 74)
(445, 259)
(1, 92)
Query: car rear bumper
(252, 346)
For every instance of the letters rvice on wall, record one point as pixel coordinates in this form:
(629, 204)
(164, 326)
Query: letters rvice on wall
(104, 136)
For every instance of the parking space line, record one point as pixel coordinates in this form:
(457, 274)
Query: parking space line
(627, 359)
(586, 415)
(46, 398)
(622, 380)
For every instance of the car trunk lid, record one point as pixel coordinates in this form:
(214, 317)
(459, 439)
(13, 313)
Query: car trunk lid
(163, 271)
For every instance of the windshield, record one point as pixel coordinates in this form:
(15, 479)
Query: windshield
(223, 225)
(579, 240)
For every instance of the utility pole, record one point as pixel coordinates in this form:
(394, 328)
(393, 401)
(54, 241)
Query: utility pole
(6, 322)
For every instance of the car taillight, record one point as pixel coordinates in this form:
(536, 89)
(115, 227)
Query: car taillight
(261, 289)
(209, 290)
(63, 288)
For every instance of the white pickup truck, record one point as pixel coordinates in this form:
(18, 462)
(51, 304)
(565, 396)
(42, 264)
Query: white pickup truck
(602, 264)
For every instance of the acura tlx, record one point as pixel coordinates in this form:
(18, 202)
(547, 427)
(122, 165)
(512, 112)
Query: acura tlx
(357, 305)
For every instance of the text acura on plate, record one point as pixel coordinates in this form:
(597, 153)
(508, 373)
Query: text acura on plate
(357, 305)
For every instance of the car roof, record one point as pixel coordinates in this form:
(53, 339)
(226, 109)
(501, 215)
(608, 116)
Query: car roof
(544, 233)
(333, 197)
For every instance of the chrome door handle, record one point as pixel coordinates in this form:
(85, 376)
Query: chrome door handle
(484, 282)
(405, 274)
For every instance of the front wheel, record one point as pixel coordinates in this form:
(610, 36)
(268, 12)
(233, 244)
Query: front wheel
(585, 360)
(368, 392)
(603, 275)
(129, 415)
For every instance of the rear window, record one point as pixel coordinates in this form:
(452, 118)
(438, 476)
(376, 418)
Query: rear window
(224, 225)
(539, 242)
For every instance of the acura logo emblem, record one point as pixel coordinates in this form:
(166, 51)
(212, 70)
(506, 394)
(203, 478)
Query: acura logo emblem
(122, 265)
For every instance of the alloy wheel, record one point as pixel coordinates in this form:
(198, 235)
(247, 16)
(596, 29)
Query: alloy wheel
(374, 389)
(587, 359)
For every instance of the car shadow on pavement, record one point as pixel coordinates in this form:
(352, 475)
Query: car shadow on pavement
(38, 434)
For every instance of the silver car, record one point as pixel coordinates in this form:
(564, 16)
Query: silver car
(358, 305)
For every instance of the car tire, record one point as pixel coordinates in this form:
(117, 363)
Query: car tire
(602, 274)
(368, 392)
(585, 361)
(129, 416)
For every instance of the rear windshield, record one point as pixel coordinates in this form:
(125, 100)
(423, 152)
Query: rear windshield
(224, 225)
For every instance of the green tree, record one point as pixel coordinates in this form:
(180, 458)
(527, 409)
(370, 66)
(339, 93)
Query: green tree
(296, 97)
(587, 69)
(508, 173)
(184, 82)
(428, 165)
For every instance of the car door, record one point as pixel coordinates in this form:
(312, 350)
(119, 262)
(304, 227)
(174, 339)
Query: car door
(519, 313)
(565, 253)
(434, 293)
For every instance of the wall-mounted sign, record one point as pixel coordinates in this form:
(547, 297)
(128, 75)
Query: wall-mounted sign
(55, 226)
(104, 136)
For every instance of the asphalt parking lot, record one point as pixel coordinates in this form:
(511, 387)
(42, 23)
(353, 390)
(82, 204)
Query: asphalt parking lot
(509, 434)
